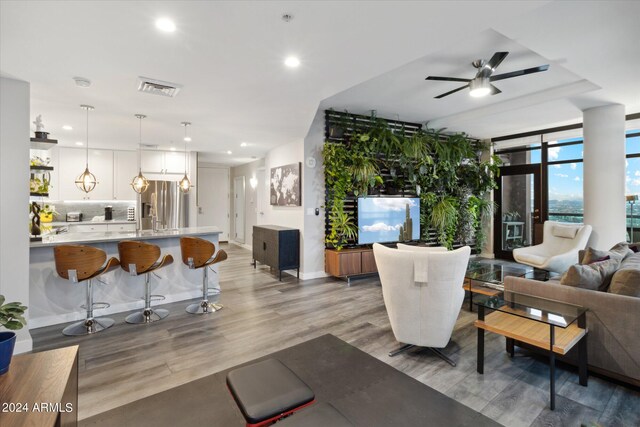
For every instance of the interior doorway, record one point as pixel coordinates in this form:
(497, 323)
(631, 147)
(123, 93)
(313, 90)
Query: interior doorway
(261, 194)
(238, 208)
(213, 199)
(518, 220)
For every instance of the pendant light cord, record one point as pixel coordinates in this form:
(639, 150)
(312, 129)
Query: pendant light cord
(185, 149)
(87, 152)
(140, 144)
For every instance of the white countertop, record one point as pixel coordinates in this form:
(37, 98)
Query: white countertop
(63, 223)
(116, 236)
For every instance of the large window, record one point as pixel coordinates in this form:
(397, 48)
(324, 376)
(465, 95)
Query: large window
(633, 185)
(564, 180)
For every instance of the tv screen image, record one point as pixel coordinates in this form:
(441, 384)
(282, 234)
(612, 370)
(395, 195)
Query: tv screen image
(388, 219)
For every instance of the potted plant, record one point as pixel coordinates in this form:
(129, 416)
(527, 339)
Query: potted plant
(11, 317)
(48, 213)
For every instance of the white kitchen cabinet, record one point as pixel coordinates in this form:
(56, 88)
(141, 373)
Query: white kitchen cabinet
(174, 162)
(152, 161)
(72, 162)
(88, 228)
(125, 167)
(121, 227)
(163, 162)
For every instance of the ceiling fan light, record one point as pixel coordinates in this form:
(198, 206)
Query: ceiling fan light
(479, 87)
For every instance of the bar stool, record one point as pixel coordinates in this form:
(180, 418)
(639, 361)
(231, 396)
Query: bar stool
(138, 258)
(199, 253)
(80, 263)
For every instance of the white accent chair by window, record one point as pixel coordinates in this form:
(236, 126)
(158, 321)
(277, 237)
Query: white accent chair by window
(559, 248)
(422, 291)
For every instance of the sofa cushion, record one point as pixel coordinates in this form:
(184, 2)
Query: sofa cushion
(626, 281)
(595, 276)
(564, 231)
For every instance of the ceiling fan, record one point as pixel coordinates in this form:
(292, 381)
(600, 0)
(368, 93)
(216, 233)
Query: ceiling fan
(481, 85)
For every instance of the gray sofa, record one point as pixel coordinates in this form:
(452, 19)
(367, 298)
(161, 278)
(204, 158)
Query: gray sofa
(613, 320)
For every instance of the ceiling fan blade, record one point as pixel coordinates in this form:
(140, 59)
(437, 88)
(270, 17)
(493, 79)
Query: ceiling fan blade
(496, 59)
(495, 90)
(447, 79)
(519, 73)
(451, 91)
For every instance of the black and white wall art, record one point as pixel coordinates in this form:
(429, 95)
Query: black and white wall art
(285, 185)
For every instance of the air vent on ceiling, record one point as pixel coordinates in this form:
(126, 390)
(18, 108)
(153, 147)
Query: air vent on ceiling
(158, 87)
(150, 146)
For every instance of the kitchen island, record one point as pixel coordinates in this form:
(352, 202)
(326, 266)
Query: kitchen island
(54, 300)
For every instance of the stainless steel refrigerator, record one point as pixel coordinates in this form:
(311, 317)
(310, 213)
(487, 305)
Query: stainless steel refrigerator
(164, 201)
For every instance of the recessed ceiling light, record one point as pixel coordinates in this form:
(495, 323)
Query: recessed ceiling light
(82, 81)
(166, 25)
(243, 144)
(172, 148)
(67, 127)
(292, 62)
(79, 143)
(187, 139)
(229, 152)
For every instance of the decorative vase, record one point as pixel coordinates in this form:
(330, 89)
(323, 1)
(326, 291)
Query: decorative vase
(7, 343)
(46, 217)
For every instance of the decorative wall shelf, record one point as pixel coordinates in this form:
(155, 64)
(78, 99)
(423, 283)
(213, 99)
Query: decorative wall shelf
(43, 144)
(39, 194)
(41, 168)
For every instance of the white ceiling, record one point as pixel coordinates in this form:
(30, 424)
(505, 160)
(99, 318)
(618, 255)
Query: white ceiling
(228, 56)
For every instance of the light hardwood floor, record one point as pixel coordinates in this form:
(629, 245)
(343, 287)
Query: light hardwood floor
(262, 315)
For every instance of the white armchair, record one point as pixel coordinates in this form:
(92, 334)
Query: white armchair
(559, 248)
(422, 291)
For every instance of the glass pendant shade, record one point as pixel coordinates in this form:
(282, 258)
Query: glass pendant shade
(140, 183)
(86, 181)
(185, 184)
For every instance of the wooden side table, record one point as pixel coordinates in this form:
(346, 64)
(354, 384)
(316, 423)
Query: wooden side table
(553, 326)
(41, 389)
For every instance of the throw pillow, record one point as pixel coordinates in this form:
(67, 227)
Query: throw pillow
(593, 255)
(622, 249)
(626, 281)
(595, 276)
(567, 232)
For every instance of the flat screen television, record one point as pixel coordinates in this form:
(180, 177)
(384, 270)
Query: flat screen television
(388, 219)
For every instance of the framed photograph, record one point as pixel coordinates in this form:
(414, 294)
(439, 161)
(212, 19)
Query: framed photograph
(285, 185)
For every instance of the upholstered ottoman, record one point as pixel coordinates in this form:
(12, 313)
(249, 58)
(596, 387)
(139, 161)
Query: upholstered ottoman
(267, 391)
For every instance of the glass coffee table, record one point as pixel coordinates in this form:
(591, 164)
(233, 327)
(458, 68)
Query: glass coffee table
(553, 326)
(487, 278)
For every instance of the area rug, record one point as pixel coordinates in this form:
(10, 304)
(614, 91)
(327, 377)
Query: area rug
(367, 391)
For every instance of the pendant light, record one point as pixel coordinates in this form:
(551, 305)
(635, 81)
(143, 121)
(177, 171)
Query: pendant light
(139, 182)
(185, 184)
(86, 181)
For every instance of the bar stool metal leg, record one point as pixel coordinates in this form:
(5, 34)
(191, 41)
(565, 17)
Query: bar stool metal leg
(90, 325)
(148, 314)
(204, 306)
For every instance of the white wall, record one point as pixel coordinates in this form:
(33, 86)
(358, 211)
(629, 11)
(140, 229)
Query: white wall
(250, 207)
(14, 197)
(313, 198)
(286, 216)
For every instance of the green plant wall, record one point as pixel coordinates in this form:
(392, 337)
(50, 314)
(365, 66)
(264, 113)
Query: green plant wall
(365, 157)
